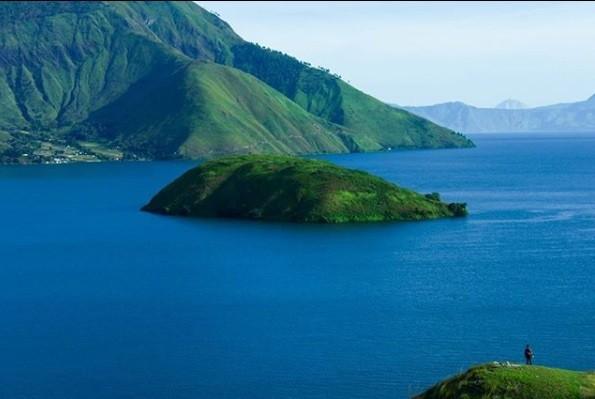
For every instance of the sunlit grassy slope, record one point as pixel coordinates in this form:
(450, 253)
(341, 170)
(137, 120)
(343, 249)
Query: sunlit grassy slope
(374, 125)
(515, 382)
(162, 79)
(206, 109)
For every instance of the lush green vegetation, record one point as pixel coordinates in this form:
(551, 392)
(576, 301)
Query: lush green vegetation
(292, 189)
(208, 109)
(502, 381)
(120, 73)
(373, 124)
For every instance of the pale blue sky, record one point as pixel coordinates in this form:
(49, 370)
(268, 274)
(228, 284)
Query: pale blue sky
(415, 54)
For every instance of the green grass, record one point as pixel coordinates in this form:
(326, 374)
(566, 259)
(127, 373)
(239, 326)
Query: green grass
(500, 381)
(373, 124)
(163, 80)
(377, 125)
(243, 115)
(206, 110)
(283, 188)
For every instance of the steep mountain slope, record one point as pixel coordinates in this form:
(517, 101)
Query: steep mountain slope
(375, 125)
(123, 75)
(570, 117)
(183, 25)
(206, 109)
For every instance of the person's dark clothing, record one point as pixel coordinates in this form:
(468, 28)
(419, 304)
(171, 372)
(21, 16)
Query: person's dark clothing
(528, 356)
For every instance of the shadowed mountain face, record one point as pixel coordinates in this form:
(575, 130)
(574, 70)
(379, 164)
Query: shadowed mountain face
(511, 117)
(169, 79)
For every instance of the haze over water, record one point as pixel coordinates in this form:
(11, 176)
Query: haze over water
(101, 300)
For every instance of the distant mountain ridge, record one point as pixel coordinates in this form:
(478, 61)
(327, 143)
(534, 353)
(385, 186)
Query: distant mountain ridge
(511, 104)
(565, 117)
(156, 80)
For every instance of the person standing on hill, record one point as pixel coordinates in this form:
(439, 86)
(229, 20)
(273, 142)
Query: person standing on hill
(528, 355)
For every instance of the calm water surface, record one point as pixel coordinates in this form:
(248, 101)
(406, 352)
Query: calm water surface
(100, 300)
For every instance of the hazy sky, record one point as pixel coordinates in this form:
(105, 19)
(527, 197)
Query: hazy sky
(411, 53)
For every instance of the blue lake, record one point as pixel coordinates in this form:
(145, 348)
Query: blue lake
(99, 300)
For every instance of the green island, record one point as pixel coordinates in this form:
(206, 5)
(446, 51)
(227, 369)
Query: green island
(506, 380)
(292, 189)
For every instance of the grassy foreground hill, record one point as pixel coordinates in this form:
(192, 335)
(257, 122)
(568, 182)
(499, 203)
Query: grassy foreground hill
(169, 79)
(284, 188)
(512, 381)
